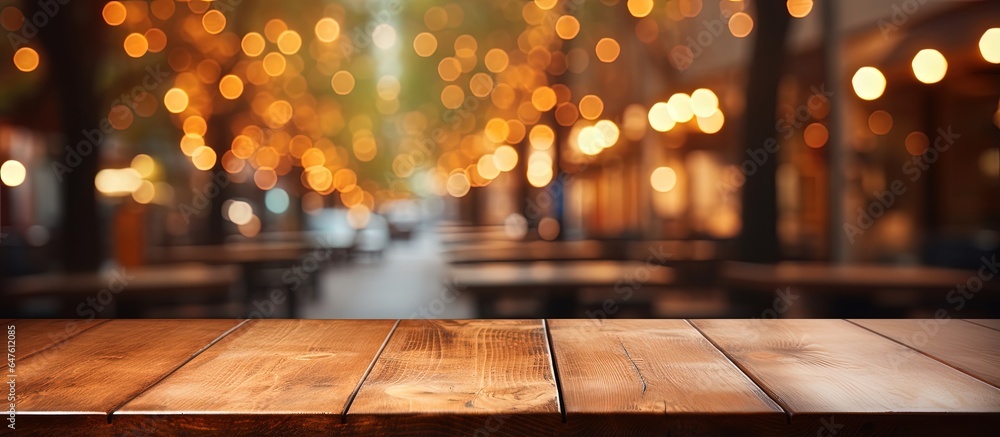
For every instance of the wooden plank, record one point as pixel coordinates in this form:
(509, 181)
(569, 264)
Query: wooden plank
(642, 376)
(460, 377)
(823, 370)
(47, 335)
(989, 323)
(103, 367)
(970, 348)
(276, 376)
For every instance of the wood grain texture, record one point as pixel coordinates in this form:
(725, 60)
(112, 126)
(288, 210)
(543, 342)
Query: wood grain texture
(821, 368)
(47, 335)
(459, 377)
(265, 370)
(970, 348)
(101, 368)
(648, 374)
(989, 323)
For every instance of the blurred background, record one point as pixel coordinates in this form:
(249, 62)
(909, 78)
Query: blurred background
(499, 158)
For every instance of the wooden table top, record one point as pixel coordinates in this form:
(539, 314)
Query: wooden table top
(163, 278)
(558, 274)
(506, 377)
(239, 253)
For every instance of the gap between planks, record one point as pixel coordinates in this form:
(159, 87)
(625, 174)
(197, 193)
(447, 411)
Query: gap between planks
(555, 369)
(176, 368)
(774, 398)
(925, 353)
(978, 324)
(92, 326)
(368, 371)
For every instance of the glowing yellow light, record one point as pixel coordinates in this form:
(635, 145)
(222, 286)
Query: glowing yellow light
(319, 178)
(274, 64)
(342, 82)
(253, 44)
(289, 42)
(799, 8)
(487, 168)
(607, 50)
(496, 60)
(114, 13)
(273, 29)
(679, 106)
(609, 132)
(816, 135)
(213, 21)
(449, 69)
(704, 102)
(345, 180)
(497, 130)
(26, 59)
(145, 193)
(190, 143)
(12, 173)
(327, 30)
(663, 179)
(239, 212)
(541, 137)
(591, 107)
(989, 45)
(481, 84)
(929, 66)
(740, 24)
(505, 158)
(466, 46)
(203, 158)
(425, 44)
(543, 98)
(279, 113)
(869, 83)
(640, 8)
(156, 40)
(313, 158)
(136, 45)
(195, 125)
(539, 169)
(713, 123)
(567, 27)
(265, 178)
(230, 86)
(458, 184)
(659, 117)
(144, 164)
(452, 97)
(175, 100)
(384, 36)
(117, 182)
(546, 5)
(590, 141)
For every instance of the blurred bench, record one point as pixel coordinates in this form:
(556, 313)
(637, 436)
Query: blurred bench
(130, 292)
(556, 283)
(839, 289)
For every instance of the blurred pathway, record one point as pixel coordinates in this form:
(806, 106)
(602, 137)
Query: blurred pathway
(407, 282)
